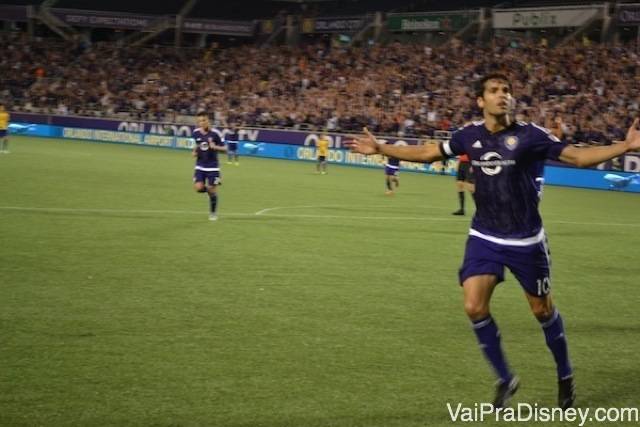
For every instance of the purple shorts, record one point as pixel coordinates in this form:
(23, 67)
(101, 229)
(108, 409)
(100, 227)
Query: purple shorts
(211, 178)
(390, 171)
(232, 146)
(3, 133)
(531, 265)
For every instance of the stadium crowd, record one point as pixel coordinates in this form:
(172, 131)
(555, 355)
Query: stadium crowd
(404, 89)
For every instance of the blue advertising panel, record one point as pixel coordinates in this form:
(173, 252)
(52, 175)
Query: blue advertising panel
(300, 146)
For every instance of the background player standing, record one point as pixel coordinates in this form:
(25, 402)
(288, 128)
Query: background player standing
(4, 130)
(391, 171)
(322, 151)
(231, 140)
(464, 181)
(206, 177)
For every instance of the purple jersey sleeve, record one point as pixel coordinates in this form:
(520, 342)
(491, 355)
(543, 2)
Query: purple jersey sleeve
(455, 146)
(544, 144)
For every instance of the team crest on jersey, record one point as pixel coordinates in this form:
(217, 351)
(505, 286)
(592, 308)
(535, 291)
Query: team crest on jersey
(511, 142)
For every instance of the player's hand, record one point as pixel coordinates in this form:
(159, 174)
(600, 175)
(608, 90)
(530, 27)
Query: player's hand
(366, 144)
(633, 136)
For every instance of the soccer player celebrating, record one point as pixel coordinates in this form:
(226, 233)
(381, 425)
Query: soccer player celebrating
(391, 169)
(207, 178)
(506, 230)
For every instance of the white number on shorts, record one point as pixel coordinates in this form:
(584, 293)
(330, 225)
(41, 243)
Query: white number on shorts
(544, 285)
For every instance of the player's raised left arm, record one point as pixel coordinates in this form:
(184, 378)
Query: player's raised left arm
(368, 145)
(585, 157)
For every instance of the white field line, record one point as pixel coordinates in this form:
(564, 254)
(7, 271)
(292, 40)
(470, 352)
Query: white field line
(122, 211)
(277, 208)
(262, 213)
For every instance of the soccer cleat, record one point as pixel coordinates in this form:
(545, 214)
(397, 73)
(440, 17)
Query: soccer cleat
(458, 212)
(389, 192)
(566, 393)
(504, 391)
(213, 217)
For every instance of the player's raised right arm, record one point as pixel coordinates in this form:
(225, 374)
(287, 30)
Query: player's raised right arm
(368, 144)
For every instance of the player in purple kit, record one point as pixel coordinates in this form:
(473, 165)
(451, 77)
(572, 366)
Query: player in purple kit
(506, 230)
(206, 177)
(391, 169)
(231, 139)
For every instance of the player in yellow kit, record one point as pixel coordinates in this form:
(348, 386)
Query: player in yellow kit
(322, 151)
(4, 129)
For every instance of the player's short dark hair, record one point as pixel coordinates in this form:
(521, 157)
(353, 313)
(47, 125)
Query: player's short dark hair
(202, 114)
(479, 86)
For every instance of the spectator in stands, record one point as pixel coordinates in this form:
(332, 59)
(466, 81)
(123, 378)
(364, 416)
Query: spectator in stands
(411, 88)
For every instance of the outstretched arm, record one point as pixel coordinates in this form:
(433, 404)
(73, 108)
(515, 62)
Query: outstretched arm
(585, 157)
(367, 144)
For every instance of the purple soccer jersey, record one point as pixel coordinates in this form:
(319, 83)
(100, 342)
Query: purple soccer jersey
(207, 158)
(506, 230)
(231, 139)
(507, 167)
(207, 167)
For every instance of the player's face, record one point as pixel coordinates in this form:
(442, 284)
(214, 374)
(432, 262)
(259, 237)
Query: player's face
(203, 122)
(497, 99)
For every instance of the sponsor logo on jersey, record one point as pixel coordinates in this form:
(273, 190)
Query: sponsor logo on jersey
(491, 163)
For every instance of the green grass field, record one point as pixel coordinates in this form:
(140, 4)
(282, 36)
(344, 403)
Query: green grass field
(313, 301)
